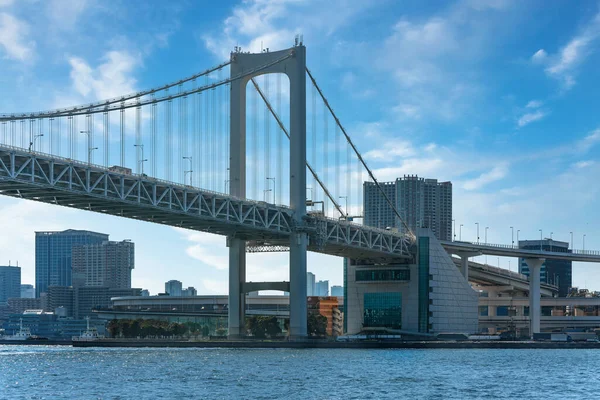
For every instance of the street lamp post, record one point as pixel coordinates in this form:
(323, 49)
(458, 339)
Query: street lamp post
(460, 232)
(32, 143)
(273, 179)
(346, 201)
(518, 230)
(142, 160)
(571, 240)
(512, 236)
(486, 228)
(584, 242)
(551, 233)
(265, 194)
(540, 239)
(190, 171)
(90, 154)
(454, 230)
(477, 223)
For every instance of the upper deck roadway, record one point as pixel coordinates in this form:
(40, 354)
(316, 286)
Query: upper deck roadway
(70, 183)
(512, 251)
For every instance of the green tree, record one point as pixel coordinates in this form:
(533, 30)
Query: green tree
(317, 325)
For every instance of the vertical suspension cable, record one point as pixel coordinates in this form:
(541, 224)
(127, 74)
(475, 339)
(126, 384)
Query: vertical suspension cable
(206, 137)
(314, 139)
(179, 135)
(31, 131)
(22, 134)
(198, 155)
(59, 136)
(51, 135)
(227, 134)
(12, 133)
(359, 188)
(337, 163)
(122, 132)
(219, 137)
(280, 178)
(70, 120)
(267, 120)
(153, 139)
(106, 139)
(254, 98)
(326, 156)
(139, 150)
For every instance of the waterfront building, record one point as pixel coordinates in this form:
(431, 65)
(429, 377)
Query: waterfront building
(428, 295)
(10, 282)
(554, 272)
(173, 288)
(422, 203)
(104, 264)
(329, 307)
(27, 291)
(21, 304)
(310, 284)
(322, 288)
(89, 298)
(53, 256)
(337, 291)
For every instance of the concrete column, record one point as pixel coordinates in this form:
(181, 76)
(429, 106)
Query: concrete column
(237, 276)
(464, 262)
(237, 182)
(535, 266)
(298, 239)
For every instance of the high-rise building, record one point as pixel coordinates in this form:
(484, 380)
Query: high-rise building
(173, 288)
(310, 284)
(53, 256)
(322, 288)
(10, 283)
(422, 203)
(337, 291)
(104, 264)
(27, 291)
(554, 272)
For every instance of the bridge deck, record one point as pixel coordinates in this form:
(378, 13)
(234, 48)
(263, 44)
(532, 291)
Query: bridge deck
(60, 181)
(512, 251)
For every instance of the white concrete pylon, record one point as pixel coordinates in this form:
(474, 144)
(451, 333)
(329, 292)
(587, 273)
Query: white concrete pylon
(535, 266)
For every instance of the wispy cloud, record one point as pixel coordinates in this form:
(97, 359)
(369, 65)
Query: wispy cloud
(531, 117)
(564, 63)
(14, 38)
(534, 104)
(485, 178)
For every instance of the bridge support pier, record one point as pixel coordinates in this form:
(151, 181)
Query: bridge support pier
(464, 262)
(535, 266)
(236, 317)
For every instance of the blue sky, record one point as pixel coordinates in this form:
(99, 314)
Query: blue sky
(498, 96)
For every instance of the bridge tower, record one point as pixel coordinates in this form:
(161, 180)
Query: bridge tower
(292, 64)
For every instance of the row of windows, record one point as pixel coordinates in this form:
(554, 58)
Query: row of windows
(382, 275)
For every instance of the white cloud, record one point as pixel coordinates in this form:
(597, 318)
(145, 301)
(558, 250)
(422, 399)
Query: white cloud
(530, 117)
(111, 78)
(583, 164)
(563, 65)
(540, 56)
(6, 3)
(534, 104)
(65, 17)
(589, 141)
(495, 174)
(14, 39)
(391, 151)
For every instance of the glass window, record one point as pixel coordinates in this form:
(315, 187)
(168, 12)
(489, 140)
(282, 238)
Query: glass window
(382, 275)
(383, 310)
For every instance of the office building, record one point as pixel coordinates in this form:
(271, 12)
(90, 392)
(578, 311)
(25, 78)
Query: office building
(10, 283)
(173, 288)
(61, 296)
(337, 291)
(20, 305)
(310, 284)
(190, 291)
(145, 293)
(89, 298)
(27, 291)
(103, 264)
(553, 272)
(322, 288)
(422, 203)
(53, 256)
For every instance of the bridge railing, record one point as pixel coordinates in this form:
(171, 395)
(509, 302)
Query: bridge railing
(102, 169)
(513, 247)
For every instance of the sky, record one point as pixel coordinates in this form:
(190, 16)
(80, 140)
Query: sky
(500, 97)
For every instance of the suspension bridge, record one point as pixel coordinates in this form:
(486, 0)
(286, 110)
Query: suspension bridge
(193, 154)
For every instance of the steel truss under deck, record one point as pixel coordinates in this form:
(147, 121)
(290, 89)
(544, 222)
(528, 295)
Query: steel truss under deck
(61, 181)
